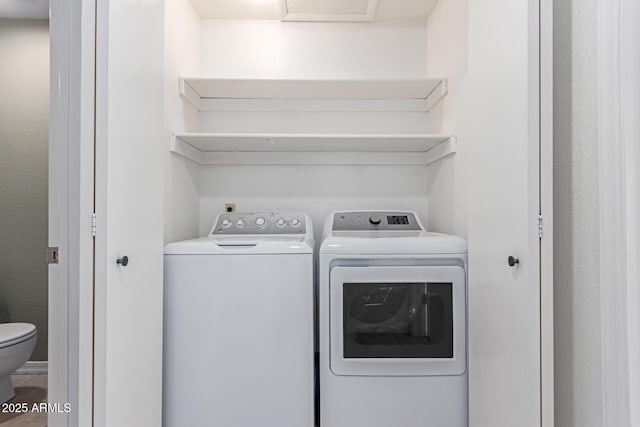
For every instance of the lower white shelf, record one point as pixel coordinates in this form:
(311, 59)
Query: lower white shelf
(312, 149)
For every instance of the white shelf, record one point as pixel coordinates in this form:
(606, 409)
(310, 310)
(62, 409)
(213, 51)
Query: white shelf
(214, 94)
(300, 149)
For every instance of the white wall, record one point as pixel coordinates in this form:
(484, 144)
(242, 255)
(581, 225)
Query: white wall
(630, 35)
(310, 122)
(24, 115)
(318, 190)
(578, 371)
(447, 55)
(271, 49)
(182, 58)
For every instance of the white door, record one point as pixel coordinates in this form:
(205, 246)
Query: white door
(504, 199)
(129, 220)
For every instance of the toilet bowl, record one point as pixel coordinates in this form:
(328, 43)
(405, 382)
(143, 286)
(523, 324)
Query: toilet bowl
(17, 341)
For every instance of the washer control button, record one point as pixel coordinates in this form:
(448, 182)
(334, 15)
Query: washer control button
(260, 221)
(226, 223)
(239, 223)
(281, 222)
(295, 222)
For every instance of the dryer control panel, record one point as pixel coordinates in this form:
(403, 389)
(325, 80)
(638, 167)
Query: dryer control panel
(252, 223)
(376, 221)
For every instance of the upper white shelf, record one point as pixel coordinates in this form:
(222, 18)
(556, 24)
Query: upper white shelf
(345, 149)
(215, 94)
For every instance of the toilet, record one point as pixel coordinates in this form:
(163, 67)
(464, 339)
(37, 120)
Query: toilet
(17, 341)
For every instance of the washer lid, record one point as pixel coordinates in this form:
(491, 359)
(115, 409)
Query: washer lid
(241, 245)
(13, 333)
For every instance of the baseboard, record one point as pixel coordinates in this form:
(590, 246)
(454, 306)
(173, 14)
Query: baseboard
(33, 367)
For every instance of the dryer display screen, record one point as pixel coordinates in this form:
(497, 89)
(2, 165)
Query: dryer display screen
(397, 219)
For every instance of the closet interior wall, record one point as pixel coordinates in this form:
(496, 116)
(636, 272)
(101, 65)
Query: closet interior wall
(182, 57)
(237, 49)
(447, 55)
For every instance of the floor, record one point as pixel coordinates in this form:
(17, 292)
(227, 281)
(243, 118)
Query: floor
(29, 389)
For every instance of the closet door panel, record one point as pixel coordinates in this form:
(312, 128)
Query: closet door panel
(504, 299)
(129, 206)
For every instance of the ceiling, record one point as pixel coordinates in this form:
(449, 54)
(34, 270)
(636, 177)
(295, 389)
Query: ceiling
(24, 9)
(298, 10)
(316, 10)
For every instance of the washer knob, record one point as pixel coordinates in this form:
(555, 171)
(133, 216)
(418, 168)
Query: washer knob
(375, 219)
(281, 222)
(260, 221)
(295, 222)
(239, 223)
(226, 223)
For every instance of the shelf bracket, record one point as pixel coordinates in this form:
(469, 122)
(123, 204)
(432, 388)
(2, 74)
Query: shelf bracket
(187, 93)
(436, 95)
(442, 150)
(186, 150)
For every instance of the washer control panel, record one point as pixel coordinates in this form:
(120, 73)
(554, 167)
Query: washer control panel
(248, 223)
(375, 221)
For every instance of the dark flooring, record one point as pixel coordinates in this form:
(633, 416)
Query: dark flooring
(30, 389)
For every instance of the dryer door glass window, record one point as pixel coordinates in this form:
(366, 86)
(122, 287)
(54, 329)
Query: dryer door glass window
(397, 320)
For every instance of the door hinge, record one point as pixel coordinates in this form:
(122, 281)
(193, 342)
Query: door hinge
(53, 254)
(540, 226)
(93, 224)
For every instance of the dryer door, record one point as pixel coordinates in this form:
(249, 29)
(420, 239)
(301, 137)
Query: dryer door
(398, 320)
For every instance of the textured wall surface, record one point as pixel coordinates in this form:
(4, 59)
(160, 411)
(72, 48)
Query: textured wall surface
(24, 105)
(578, 384)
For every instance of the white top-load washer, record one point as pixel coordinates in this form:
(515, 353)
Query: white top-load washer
(392, 323)
(238, 324)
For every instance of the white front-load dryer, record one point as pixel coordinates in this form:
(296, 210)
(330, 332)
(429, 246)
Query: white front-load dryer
(238, 324)
(392, 323)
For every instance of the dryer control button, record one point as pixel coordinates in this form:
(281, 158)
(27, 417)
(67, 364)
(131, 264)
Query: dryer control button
(281, 222)
(295, 222)
(239, 223)
(375, 219)
(260, 221)
(226, 223)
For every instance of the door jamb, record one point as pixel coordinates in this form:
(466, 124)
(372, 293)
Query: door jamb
(71, 188)
(546, 210)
